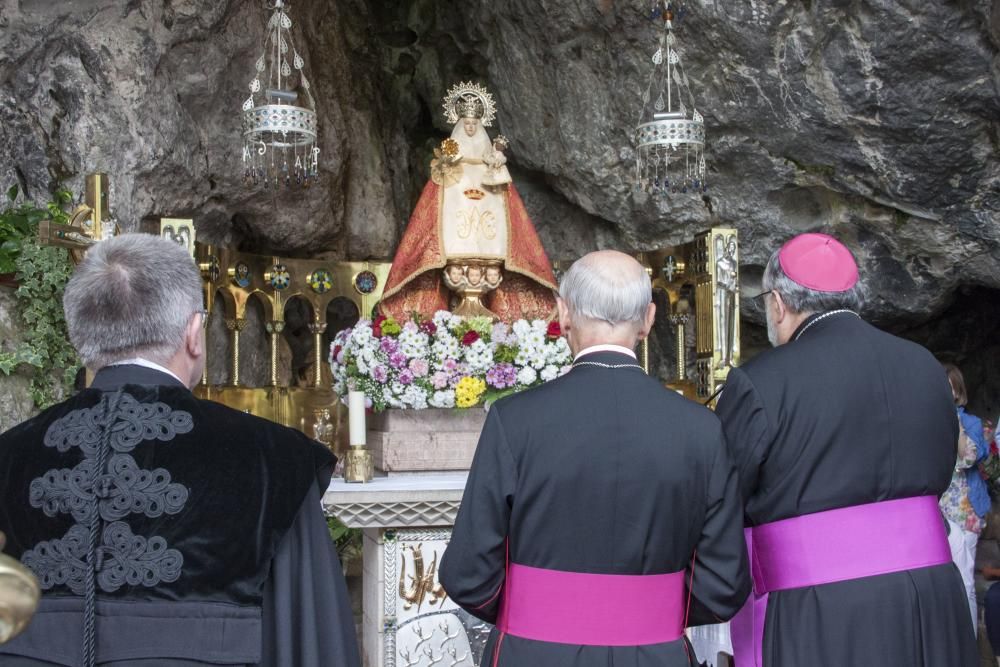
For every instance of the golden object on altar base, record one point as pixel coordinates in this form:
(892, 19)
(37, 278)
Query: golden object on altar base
(471, 280)
(359, 466)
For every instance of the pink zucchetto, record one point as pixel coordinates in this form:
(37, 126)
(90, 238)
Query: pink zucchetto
(819, 262)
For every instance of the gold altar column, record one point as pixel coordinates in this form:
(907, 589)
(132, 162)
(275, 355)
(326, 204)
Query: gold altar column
(235, 326)
(680, 322)
(274, 329)
(318, 329)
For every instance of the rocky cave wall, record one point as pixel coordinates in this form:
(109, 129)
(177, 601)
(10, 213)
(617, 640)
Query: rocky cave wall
(876, 120)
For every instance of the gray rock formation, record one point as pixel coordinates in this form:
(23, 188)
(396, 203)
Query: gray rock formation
(876, 120)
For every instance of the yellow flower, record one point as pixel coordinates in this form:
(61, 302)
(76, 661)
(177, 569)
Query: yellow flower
(468, 391)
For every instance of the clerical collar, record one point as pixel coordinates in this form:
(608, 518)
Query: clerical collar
(146, 363)
(604, 348)
(818, 317)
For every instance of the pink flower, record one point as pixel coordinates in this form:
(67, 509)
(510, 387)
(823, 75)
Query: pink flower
(406, 377)
(420, 367)
(440, 380)
(450, 365)
(380, 373)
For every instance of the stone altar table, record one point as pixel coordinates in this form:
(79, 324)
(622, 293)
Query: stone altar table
(408, 620)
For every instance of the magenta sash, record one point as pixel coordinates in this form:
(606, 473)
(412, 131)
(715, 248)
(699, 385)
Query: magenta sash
(592, 609)
(836, 545)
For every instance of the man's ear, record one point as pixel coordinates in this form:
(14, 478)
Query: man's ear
(780, 309)
(647, 324)
(194, 339)
(564, 322)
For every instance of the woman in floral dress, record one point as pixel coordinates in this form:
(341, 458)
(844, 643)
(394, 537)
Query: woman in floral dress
(966, 501)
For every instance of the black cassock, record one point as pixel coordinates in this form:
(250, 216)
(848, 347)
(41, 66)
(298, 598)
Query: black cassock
(601, 471)
(848, 415)
(213, 548)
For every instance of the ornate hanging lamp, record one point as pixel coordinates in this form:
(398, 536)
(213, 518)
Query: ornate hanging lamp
(670, 134)
(279, 117)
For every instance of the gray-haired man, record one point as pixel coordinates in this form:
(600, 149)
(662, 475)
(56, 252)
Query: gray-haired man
(165, 530)
(598, 500)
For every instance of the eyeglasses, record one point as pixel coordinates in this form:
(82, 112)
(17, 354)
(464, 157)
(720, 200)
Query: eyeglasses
(761, 296)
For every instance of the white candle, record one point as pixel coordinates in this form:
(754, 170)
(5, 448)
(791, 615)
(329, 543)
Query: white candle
(356, 410)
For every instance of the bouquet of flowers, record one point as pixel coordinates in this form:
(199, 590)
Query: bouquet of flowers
(446, 361)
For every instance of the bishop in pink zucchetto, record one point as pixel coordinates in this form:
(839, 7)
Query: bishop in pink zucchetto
(819, 262)
(844, 438)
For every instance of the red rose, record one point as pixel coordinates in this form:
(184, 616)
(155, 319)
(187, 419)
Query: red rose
(336, 351)
(428, 327)
(377, 326)
(554, 331)
(469, 338)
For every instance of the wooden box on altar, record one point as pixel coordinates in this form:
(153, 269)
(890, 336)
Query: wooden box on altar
(424, 440)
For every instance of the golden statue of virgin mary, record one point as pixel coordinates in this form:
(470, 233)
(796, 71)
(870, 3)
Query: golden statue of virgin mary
(470, 246)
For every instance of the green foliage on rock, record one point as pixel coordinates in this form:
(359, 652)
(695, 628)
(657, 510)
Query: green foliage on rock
(45, 354)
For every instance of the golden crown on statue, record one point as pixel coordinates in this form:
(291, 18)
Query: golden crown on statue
(469, 100)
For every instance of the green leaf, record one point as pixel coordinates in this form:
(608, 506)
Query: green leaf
(12, 192)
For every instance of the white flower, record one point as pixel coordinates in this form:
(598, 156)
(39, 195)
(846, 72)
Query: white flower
(549, 373)
(362, 334)
(527, 375)
(534, 338)
(413, 343)
(444, 320)
(445, 348)
(479, 356)
(362, 366)
(521, 329)
(368, 354)
(415, 397)
(443, 399)
(559, 352)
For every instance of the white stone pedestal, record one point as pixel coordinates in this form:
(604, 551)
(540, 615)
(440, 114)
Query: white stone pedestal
(408, 621)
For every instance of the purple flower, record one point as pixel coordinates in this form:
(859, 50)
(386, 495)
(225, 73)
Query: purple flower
(450, 365)
(420, 367)
(380, 373)
(406, 377)
(502, 376)
(439, 380)
(397, 360)
(389, 345)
